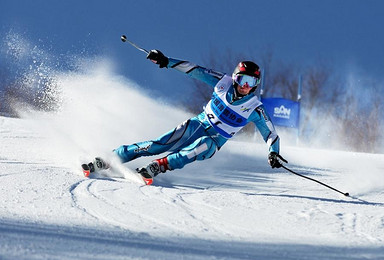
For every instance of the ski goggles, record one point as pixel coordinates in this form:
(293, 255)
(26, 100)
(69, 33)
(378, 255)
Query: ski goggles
(241, 79)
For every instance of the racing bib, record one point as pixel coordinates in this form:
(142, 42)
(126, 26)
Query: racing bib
(226, 118)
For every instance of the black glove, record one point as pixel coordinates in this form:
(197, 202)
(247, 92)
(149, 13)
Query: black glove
(158, 57)
(273, 160)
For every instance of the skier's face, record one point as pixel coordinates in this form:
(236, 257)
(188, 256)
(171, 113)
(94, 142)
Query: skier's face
(244, 89)
(245, 83)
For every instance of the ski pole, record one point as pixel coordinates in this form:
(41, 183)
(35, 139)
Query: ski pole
(345, 194)
(124, 39)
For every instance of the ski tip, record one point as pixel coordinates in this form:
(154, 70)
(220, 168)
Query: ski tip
(148, 181)
(86, 173)
(86, 170)
(147, 178)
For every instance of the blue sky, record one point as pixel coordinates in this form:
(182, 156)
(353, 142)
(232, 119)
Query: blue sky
(346, 33)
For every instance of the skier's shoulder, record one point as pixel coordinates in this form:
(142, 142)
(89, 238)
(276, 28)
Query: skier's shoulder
(224, 83)
(254, 100)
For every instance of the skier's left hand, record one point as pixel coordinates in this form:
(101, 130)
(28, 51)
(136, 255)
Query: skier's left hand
(273, 160)
(158, 57)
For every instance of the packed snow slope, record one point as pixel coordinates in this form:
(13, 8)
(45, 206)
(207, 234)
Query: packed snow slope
(233, 206)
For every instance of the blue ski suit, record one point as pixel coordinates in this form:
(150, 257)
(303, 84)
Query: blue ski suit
(199, 137)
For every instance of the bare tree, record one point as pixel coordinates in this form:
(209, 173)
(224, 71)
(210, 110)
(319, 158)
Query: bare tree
(361, 125)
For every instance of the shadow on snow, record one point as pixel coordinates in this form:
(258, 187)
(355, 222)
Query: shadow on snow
(25, 240)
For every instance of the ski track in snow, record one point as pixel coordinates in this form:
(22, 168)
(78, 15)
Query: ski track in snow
(230, 207)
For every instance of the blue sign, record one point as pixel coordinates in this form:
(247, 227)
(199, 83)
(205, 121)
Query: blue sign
(283, 112)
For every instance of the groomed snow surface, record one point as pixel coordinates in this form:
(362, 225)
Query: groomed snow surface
(233, 206)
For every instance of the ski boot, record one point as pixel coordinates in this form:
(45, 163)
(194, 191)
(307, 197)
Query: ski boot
(97, 165)
(153, 169)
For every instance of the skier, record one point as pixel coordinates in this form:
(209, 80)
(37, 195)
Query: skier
(232, 106)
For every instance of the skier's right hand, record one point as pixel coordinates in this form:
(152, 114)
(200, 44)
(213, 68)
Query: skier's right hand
(158, 57)
(274, 160)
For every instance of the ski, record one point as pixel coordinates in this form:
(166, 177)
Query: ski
(148, 179)
(123, 172)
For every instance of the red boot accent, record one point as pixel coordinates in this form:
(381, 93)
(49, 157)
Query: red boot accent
(163, 164)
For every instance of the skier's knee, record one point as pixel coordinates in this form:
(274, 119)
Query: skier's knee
(211, 148)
